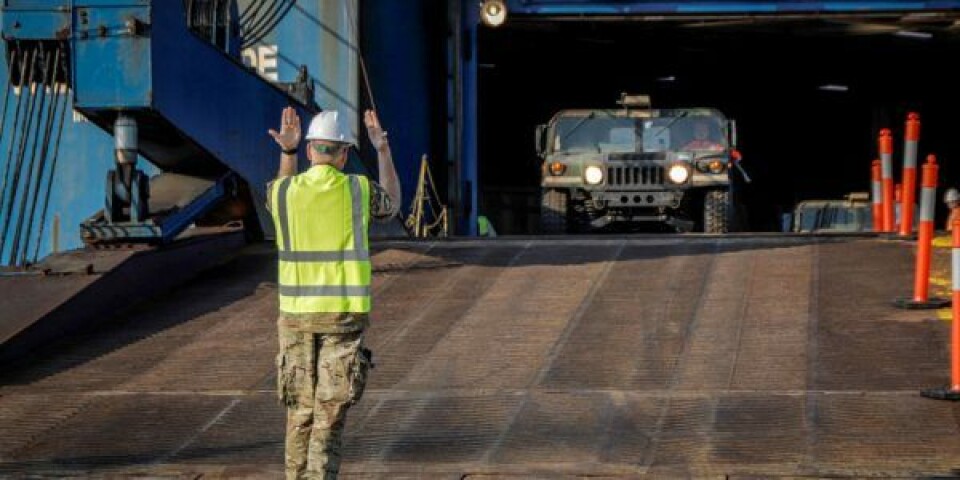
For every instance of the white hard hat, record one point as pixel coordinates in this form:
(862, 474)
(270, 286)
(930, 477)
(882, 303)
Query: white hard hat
(951, 195)
(331, 126)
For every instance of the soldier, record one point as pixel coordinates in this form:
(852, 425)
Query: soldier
(322, 219)
(703, 137)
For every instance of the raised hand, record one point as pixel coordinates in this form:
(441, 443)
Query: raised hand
(289, 136)
(378, 137)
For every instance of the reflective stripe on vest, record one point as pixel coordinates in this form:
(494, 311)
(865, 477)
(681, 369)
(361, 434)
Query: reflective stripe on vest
(311, 212)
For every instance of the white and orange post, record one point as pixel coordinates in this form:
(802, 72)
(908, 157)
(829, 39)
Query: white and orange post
(921, 282)
(952, 391)
(898, 212)
(885, 143)
(876, 191)
(909, 199)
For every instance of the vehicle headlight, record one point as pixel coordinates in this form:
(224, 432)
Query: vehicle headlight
(711, 165)
(679, 173)
(593, 175)
(557, 168)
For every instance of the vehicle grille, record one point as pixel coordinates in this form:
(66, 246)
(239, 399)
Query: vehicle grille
(635, 176)
(637, 156)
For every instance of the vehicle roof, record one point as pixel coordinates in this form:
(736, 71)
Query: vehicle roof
(641, 112)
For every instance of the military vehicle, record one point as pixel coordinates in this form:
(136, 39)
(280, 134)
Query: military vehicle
(635, 164)
(852, 214)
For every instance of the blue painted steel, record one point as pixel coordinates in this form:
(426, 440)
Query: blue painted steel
(469, 136)
(86, 153)
(31, 24)
(586, 7)
(395, 45)
(200, 111)
(200, 105)
(110, 67)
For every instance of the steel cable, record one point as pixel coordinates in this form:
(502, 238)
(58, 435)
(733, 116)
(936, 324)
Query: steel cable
(252, 23)
(44, 153)
(6, 95)
(65, 101)
(251, 12)
(31, 159)
(13, 138)
(26, 89)
(355, 29)
(255, 34)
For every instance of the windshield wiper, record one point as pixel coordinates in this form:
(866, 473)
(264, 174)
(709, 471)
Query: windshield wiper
(670, 123)
(577, 125)
(583, 120)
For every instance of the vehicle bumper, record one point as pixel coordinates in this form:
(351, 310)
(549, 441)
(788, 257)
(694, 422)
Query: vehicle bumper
(637, 198)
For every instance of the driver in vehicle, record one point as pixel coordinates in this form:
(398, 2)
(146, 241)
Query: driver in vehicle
(703, 137)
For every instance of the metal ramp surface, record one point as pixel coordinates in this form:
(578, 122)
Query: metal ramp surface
(663, 357)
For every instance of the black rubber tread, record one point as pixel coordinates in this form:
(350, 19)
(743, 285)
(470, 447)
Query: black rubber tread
(717, 211)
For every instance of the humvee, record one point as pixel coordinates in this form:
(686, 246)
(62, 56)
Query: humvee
(852, 214)
(636, 164)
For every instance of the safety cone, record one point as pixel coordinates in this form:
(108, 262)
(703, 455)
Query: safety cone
(952, 391)
(921, 282)
(876, 191)
(885, 144)
(909, 197)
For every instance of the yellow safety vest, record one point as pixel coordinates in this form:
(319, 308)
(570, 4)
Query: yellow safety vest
(322, 219)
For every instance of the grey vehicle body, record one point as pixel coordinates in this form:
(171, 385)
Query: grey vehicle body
(852, 214)
(632, 152)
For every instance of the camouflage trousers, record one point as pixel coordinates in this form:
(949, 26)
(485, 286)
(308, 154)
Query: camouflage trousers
(319, 377)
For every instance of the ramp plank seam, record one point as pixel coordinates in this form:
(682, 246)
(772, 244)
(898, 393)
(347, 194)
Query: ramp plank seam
(557, 346)
(811, 403)
(745, 297)
(193, 438)
(678, 368)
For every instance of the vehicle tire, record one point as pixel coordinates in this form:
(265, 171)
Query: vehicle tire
(553, 212)
(717, 212)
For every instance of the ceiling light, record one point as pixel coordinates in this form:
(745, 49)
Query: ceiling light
(834, 88)
(493, 13)
(914, 34)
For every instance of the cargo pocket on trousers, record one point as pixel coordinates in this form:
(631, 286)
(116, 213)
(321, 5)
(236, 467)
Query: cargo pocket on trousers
(285, 381)
(292, 374)
(360, 367)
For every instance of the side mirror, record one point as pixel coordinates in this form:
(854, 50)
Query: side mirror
(541, 148)
(732, 128)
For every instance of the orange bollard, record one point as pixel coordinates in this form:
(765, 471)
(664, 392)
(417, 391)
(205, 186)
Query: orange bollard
(910, 146)
(955, 324)
(897, 210)
(952, 391)
(876, 191)
(921, 281)
(885, 143)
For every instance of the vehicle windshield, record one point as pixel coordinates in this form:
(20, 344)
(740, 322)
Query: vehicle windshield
(613, 132)
(836, 216)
